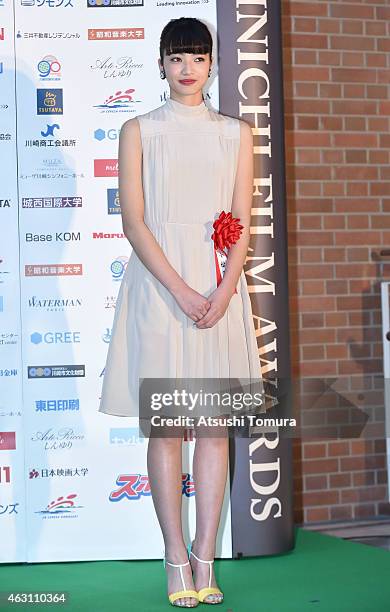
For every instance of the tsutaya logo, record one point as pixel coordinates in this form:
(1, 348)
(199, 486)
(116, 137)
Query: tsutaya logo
(105, 167)
(113, 203)
(53, 270)
(50, 102)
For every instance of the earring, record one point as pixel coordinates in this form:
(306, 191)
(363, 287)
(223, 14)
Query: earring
(210, 72)
(162, 74)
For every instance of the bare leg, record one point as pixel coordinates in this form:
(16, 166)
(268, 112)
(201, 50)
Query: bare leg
(165, 478)
(210, 472)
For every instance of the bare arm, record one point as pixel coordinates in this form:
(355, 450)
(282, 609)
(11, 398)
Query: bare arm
(132, 206)
(241, 208)
(142, 240)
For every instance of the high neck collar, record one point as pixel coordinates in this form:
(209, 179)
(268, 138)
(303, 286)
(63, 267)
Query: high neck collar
(186, 109)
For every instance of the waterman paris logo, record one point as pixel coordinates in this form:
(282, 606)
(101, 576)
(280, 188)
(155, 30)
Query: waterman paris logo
(53, 202)
(50, 102)
(54, 304)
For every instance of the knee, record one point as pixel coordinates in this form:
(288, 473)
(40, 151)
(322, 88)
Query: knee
(169, 436)
(218, 434)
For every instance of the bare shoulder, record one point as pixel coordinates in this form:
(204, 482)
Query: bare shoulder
(130, 128)
(245, 129)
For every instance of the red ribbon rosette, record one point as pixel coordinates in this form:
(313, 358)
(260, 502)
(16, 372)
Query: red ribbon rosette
(227, 231)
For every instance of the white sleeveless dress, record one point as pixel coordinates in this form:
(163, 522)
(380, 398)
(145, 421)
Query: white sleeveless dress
(190, 156)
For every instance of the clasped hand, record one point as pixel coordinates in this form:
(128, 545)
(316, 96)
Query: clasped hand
(205, 312)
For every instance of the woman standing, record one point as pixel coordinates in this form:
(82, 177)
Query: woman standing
(180, 166)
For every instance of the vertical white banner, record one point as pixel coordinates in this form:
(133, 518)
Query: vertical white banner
(12, 469)
(83, 68)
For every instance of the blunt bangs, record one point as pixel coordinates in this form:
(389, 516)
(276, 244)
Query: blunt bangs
(185, 35)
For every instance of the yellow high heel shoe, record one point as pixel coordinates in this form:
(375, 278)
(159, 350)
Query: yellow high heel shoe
(185, 592)
(209, 590)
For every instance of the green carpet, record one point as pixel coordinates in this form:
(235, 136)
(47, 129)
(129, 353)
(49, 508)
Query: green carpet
(322, 573)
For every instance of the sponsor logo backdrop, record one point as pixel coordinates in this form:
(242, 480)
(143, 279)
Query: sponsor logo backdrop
(73, 482)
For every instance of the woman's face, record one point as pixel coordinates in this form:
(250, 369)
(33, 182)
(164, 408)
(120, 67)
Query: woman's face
(186, 73)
